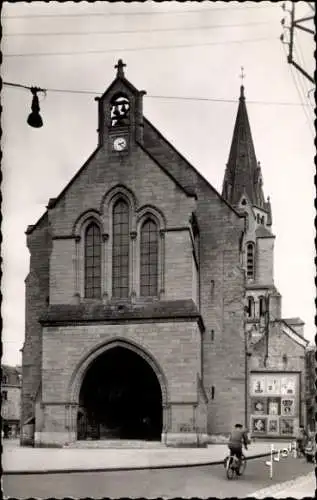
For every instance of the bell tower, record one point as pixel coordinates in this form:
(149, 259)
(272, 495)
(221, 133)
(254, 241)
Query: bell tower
(243, 189)
(120, 114)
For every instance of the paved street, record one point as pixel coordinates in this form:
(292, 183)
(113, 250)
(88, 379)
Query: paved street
(198, 481)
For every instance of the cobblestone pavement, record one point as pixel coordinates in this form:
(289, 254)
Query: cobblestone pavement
(198, 481)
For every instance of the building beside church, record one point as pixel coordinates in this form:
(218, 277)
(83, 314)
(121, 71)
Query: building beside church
(311, 388)
(151, 310)
(10, 400)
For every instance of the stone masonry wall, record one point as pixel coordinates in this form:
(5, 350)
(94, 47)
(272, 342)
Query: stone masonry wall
(150, 186)
(221, 300)
(221, 286)
(265, 261)
(175, 346)
(37, 296)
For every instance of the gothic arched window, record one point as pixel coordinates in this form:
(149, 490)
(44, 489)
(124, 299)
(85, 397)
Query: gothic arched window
(120, 108)
(92, 261)
(262, 308)
(250, 260)
(250, 307)
(149, 259)
(120, 250)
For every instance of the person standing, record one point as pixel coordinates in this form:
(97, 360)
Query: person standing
(301, 440)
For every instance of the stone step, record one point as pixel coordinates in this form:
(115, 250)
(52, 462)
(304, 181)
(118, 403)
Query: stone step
(115, 443)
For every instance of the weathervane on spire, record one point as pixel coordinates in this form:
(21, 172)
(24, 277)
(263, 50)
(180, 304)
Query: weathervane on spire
(119, 67)
(242, 76)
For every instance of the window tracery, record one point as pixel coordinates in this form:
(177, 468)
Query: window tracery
(250, 307)
(92, 261)
(120, 249)
(262, 308)
(149, 259)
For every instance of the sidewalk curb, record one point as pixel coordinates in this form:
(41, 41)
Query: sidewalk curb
(117, 469)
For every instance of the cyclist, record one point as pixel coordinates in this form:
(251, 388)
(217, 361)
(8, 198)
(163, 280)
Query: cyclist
(237, 439)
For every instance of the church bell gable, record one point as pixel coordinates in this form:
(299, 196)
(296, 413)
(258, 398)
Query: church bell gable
(120, 114)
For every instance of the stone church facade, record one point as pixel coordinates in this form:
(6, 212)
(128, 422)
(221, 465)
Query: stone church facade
(147, 292)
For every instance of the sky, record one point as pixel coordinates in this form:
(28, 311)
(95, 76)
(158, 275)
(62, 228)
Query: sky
(188, 57)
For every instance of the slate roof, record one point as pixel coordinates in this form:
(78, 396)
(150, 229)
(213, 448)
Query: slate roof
(174, 162)
(263, 232)
(87, 313)
(293, 321)
(162, 152)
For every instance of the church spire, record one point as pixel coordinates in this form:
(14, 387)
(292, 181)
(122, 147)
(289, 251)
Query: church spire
(243, 172)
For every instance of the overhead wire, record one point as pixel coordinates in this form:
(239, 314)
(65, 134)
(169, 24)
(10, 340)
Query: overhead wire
(301, 79)
(299, 95)
(124, 14)
(137, 31)
(133, 49)
(302, 60)
(204, 99)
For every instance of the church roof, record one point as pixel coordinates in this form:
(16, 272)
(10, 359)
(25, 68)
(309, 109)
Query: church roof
(61, 314)
(243, 173)
(173, 163)
(263, 232)
(293, 321)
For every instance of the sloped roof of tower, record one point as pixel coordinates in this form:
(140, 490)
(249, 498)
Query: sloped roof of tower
(243, 172)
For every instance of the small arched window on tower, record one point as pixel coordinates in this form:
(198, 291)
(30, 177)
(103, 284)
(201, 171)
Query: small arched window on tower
(120, 111)
(250, 260)
(92, 261)
(250, 307)
(262, 308)
(149, 259)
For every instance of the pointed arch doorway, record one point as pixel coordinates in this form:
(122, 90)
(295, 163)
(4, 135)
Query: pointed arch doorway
(120, 398)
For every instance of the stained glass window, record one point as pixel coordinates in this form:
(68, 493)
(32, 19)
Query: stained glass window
(92, 261)
(149, 259)
(120, 250)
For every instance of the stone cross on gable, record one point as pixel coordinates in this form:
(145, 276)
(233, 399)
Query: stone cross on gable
(119, 67)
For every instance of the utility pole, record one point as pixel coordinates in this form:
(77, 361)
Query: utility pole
(267, 327)
(296, 24)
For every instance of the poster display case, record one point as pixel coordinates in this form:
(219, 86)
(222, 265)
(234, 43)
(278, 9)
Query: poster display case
(275, 404)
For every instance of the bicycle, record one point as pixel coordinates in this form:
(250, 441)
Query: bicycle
(234, 466)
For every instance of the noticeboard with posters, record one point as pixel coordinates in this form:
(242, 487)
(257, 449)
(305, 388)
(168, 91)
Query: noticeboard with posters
(274, 403)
